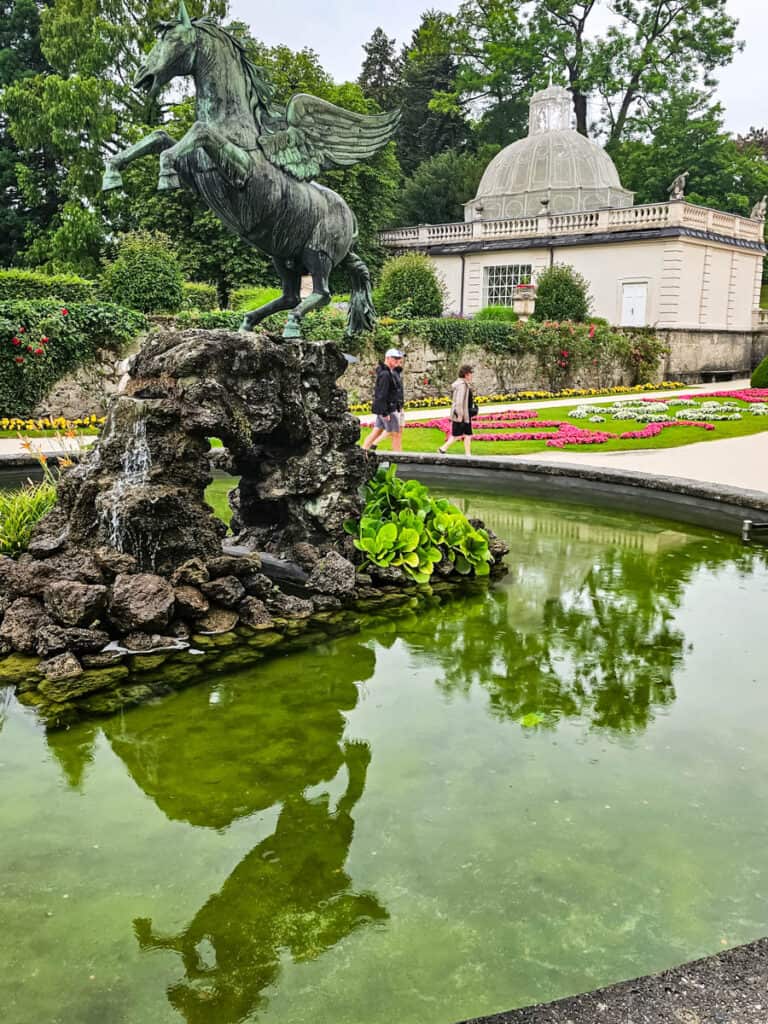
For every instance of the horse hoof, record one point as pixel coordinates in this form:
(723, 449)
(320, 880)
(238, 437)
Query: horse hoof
(168, 181)
(292, 331)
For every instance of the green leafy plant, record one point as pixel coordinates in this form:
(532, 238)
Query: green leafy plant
(760, 375)
(409, 279)
(404, 527)
(146, 274)
(562, 294)
(20, 511)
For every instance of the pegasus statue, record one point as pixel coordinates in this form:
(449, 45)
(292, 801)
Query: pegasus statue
(252, 162)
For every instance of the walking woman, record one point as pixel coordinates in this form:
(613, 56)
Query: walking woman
(463, 408)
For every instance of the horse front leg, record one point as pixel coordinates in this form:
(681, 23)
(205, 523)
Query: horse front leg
(233, 162)
(157, 142)
(319, 265)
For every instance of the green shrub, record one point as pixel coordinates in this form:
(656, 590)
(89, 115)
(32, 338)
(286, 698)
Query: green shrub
(562, 294)
(145, 275)
(403, 526)
(199, 296)
(760, 375)
(41, 341)
(32, 284)
(505, 314)
(411, 280)
(20, 511)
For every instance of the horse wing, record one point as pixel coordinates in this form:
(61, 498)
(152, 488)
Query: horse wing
(320, 136)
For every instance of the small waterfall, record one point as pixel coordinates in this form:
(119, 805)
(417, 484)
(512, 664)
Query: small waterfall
(136, 463)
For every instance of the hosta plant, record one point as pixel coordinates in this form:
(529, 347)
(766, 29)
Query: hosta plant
(403, 526)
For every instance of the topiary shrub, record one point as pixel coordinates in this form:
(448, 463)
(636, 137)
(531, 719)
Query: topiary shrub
(32, 284)
(759, 377)
(409, 282)
(199, 296)
(145, 275)
(502, 314)
(562, 294)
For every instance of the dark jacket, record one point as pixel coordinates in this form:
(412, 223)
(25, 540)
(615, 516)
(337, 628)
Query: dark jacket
(388, 393)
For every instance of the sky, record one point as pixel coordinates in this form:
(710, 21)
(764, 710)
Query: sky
(337, 30)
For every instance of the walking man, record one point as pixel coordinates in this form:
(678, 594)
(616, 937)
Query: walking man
(388, 401)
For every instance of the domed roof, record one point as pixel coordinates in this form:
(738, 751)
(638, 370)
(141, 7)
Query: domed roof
(553, 165)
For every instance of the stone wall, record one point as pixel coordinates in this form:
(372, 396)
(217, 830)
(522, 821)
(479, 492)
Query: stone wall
(697, 355)
(88, 389)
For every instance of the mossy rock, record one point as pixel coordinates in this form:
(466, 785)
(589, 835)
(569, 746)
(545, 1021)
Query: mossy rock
(91, 681)
(146, 662)
(265, 638)
(20, 671)
(214, 640)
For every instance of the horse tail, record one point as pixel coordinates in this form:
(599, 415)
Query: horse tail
(362, 315)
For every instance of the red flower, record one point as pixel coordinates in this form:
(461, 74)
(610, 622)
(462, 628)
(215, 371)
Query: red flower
(65, 312)
(22, 330)
(29, 348)
(16, 341)
(44, 340)
(592, 330)
(38, 351)
(19, 359)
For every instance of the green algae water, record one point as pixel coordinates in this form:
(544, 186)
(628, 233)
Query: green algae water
(520, 795)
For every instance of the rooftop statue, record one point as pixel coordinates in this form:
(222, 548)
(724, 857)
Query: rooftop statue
(677, 188)
(759, 209)
(252, 162)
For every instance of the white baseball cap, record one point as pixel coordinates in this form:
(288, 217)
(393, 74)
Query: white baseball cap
(394, 353)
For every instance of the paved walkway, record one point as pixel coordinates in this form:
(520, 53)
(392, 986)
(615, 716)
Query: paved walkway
(733, 462)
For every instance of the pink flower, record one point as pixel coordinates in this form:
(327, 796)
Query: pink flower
(39, 351)
(44, 340)
(592, 330)
(65, 312)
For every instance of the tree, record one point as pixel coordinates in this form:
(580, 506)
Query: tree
(690, 136)
(84, 109)
(438, 188)
(28, 198)
(504, 52)
(429, 71)
(658, 46)
(380, 75)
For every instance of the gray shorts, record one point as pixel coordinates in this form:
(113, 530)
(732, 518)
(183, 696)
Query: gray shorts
(393, 424)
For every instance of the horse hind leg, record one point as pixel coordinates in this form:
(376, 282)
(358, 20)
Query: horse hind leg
(319, 265)
(290, 279)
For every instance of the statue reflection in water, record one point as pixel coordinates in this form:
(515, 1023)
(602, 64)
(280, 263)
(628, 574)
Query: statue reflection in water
(257, 746)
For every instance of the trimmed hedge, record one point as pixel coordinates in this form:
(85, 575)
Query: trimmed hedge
(562, 294)
(760, 375)
(199, 296)
(32, 284)
(41, 341)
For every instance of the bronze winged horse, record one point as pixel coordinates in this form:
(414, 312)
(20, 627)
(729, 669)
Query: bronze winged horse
(252, 163)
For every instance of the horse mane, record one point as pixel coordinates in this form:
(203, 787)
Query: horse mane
(260, 91)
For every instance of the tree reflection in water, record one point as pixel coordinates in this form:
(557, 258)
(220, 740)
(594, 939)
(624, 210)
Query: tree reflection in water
(584, 625)
(210, 764)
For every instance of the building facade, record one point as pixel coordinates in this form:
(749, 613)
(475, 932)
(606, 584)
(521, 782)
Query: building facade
(556, 197)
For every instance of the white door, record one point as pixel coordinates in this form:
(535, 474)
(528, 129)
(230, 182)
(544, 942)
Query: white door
(634, 298)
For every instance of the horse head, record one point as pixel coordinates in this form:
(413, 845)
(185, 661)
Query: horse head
(173, 54)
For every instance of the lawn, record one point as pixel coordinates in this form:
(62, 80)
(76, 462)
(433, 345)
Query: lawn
(421, 439)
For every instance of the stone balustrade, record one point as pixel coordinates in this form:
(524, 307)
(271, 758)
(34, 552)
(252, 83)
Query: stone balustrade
(633, 218)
